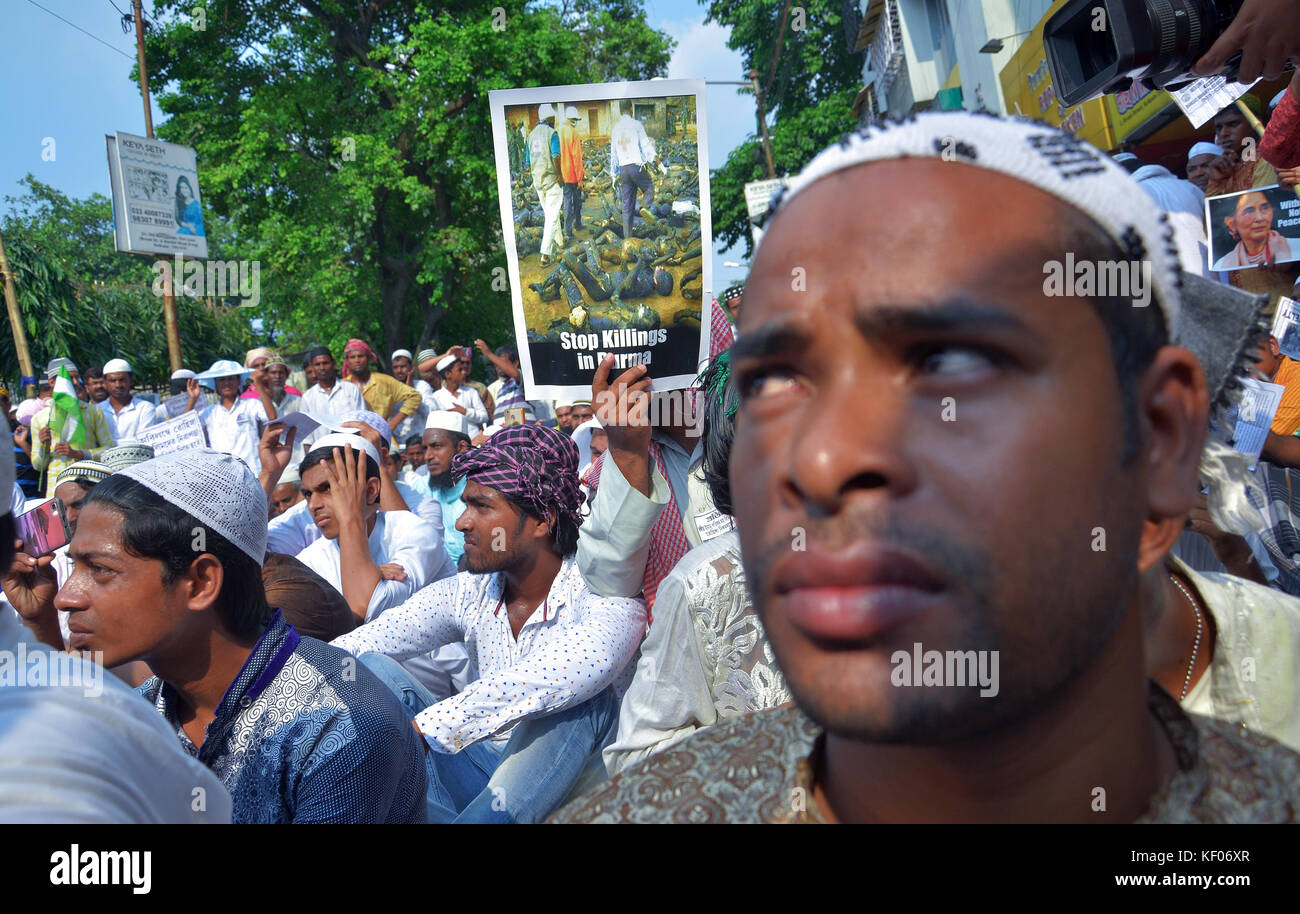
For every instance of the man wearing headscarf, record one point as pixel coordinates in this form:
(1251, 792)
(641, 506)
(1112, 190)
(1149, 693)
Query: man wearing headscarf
(383, 393)
(288, 399)
(548, 650)
(294, 731)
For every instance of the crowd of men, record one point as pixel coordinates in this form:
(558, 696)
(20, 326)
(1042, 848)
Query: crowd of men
(933, 547)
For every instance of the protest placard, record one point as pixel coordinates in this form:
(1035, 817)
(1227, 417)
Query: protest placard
(605, 211)
(1255, 411)
(1286, 327)
(1252, 227)
(180, 434)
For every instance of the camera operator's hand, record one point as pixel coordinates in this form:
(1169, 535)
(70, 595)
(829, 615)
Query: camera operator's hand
(1267, 32)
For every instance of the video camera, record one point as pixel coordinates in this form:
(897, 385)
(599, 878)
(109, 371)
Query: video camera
(1098, 47)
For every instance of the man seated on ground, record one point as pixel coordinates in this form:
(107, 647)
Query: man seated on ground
(870, 543)
(294, 731)
(513, 744)
(706, 658)
(358, 538)
(446, 434)
(77, 746)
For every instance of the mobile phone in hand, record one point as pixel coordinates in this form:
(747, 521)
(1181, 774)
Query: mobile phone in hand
(43, 528)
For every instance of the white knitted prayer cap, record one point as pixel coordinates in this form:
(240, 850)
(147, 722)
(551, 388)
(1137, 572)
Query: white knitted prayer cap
(217, 489)
(113, 366)
(447, 419)
(1030, 151)
(342, 440)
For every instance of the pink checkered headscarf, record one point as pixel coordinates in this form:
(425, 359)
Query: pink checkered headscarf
(534, 464)
(668, 541)
(363, 346)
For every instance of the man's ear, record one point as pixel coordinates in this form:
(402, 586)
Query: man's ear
(1158, 537)
(202, 582)
(1173, 409)
(373, 485)
(461, 446)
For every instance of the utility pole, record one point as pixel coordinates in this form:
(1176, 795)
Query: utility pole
(16, 322)
(762, 123)
(169, 301)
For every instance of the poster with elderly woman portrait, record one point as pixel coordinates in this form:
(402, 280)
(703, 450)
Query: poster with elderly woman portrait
(604, 193)
(1253, 227)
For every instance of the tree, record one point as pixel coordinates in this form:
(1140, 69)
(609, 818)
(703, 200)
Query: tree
(349, 145)
(808, 95)
(78, 297)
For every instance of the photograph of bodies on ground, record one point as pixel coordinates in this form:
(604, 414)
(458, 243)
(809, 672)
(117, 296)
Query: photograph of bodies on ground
(605, 214)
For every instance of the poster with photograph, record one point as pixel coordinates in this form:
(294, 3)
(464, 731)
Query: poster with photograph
(1286, 327)
(1252, 227)
(156, 204)
(604, 194)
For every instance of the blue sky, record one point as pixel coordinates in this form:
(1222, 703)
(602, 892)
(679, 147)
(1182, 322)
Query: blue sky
(67, 90)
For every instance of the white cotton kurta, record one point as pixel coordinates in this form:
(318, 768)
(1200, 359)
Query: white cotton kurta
(614, 540)
(294, 530)
(475, 412)
(131, 419)
(569, 650)
(414, 424)
(236, 430)
(93, 752)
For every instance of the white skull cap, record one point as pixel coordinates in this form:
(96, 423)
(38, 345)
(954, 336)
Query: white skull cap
(1073, 171)
(341, 440)
(113, 366)
(216, 489)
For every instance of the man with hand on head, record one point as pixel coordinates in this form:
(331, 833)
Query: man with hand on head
(342, 494)
(294, 732)
(515, 742)
(127, 413)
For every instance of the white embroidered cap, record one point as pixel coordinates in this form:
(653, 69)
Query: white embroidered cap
(216, 489)
(1030, 151)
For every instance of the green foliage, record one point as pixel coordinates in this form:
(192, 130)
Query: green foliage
(350, 148)
(78, 297)
(809, 103)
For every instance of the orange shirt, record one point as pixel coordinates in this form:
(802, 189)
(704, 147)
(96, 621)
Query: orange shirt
(1287, 419)
(570, 155)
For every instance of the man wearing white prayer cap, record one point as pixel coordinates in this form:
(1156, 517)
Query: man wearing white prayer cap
(128, 414)
(458, 396)
(375, 558)
(1199, 158)
(446, 434)
(925, 532)
(294, 733)
(76, 743)
(403, 365)
(287, 492)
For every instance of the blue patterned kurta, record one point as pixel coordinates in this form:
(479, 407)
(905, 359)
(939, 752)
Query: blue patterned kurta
(306, 734)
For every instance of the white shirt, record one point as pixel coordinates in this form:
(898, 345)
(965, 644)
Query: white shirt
(475, 412)
(568, 651)
(414, 423)
(294, 530)
(629, 144)
(706, 658)
(236, 430)
(91, 750)
(417, 478)
(344, 397)
(399, 537)
(131, 419)
(614, 540)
